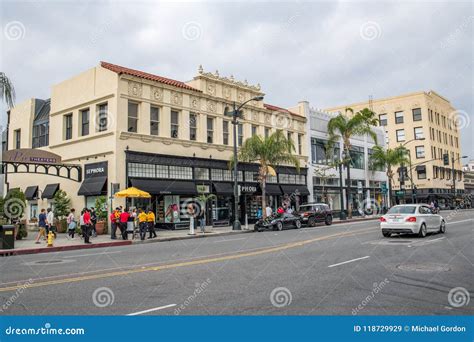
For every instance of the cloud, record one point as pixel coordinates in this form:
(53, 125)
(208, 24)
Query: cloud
(316, 51)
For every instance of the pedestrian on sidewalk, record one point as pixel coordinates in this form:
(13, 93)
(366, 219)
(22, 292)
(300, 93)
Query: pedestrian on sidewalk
(93, 222)
(202, 220)
(123, 224)
(268, 211)
(86, 217)
(142, 223)
(115, 222)
(71, 224)
(150, 218)
(50, 222)
(41, 225)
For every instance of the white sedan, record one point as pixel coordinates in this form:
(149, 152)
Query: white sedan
(411, 219)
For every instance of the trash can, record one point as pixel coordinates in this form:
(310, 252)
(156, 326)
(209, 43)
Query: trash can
(7, 236)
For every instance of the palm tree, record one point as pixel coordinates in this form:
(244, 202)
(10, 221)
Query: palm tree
(7, 91)
(344, 127)
(388, 159)
(268, 152)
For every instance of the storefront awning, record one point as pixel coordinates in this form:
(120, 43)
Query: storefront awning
(31, 192)
(50, 190)
(273, 189)
(93, 186)
(165, 187)
(290, 189)
(223, 188)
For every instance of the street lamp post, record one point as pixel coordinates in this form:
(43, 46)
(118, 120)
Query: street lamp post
(342, 214)
(235, 113)
(402, 167)
(454, 176)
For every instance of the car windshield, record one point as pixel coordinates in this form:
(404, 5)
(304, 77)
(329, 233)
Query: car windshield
(306, 207)
(402, 209)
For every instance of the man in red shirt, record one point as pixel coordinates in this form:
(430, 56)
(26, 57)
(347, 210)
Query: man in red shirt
(123, 223)
(87, 224)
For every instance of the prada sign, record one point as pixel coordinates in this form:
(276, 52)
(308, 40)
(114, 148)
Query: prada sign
(95, 170)
(248, 189)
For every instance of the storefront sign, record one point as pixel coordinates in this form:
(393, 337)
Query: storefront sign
(30, 155)
(96, 170)
(203, 189)
(248, 189)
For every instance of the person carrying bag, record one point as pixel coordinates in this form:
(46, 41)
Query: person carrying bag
(71, 224)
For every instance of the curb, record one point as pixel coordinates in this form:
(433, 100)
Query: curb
(186, 237)
(9, 252)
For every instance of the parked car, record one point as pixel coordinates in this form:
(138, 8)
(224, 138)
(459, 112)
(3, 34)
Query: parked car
(278, 222)
(411, 219)
(313, 213)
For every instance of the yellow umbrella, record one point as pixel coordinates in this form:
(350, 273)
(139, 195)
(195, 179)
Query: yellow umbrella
(133, 192)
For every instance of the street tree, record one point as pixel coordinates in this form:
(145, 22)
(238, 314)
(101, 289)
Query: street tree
(7, 91)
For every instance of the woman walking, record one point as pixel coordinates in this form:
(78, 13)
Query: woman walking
(85, 225)
(71, 224)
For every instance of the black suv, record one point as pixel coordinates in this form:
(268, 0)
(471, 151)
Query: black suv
(313, 213)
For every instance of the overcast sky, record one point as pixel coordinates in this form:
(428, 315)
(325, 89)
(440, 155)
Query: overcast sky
(329, 53)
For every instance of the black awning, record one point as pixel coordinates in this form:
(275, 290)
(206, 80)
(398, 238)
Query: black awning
(290, 189)
(421, 168)
(50, 190)
(273, 189)
(165, 187)
(223, 188)
(93, 186)
(31, 192)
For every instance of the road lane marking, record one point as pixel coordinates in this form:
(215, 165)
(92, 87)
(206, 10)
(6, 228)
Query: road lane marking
(189, 263)
(230, 240)
(151, 310)
(422, 243)
(453, 222)
(348, 261)
(91, 254)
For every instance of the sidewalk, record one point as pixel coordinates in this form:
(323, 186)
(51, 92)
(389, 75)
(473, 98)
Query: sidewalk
(62, 243)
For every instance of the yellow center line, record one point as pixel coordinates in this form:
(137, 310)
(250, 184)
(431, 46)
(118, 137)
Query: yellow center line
(186, 263)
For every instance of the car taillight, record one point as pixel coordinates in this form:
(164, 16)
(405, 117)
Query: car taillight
(306, 214)
(382, 219)
(411, 219)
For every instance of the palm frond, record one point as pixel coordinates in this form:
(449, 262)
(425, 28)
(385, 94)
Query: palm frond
(7, 91)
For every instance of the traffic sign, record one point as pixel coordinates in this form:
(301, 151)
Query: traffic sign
(400, 193)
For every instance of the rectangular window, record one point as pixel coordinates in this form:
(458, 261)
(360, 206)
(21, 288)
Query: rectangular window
(162, 171)
(132, 117)
(181, 172)
(85, 119)
(289, 136)
(17, 136)
(216, 174)
(320, 152)
(201, 173)
(357, 157)
(68, 126)
(267, 132)
(210, 130)
(154, 120)
(418, 132)
(174, 124)
(225, 132)
(40, 134)
(421, 173)
(141, 170)
(254, 130)
(420, 151)
(416, 114)
(300, 144)
(383, 119)
(400, 135)
(192, 126)
(103, 120)
(398, 117)
(240, 134)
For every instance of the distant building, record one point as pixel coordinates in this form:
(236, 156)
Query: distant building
(469, 182)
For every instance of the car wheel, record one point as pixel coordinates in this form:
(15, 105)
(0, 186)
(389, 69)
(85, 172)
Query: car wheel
(298, 224)
(279, 226)
(422, 232)
(386, 234)
(312, 222)
(328, 220)
(442, 227)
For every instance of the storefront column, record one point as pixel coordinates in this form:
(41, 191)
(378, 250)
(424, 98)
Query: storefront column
(165, 122)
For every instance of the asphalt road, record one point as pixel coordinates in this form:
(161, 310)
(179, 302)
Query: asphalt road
(343, 269)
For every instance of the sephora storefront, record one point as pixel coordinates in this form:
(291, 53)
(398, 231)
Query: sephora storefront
(95, 182)
(176, 183)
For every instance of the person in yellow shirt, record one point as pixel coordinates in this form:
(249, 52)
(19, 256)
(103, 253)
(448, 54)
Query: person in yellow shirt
(150, 217)
(142, 223)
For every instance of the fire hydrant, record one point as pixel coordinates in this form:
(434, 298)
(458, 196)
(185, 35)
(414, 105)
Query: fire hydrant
(50, 239)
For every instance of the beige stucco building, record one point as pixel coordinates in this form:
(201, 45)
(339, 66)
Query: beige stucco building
(171, 138)
(425, 115)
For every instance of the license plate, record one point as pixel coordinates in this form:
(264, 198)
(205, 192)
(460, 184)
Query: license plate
(396, 220)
